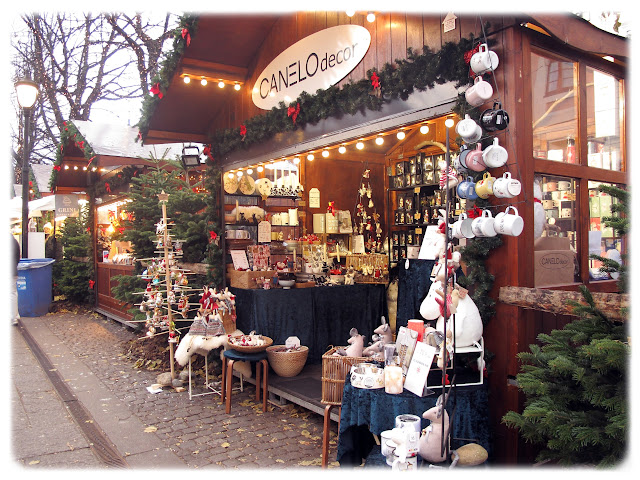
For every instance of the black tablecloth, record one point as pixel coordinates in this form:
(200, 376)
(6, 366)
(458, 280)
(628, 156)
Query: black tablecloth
(413, 286)
(319, 316)
(373, 411)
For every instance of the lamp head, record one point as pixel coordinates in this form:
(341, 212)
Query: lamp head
(27, 92)
(190, 156)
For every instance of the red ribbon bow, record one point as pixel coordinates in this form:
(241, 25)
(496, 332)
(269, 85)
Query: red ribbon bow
(186, 35)
(243, 131)
(80, 145)
(107, 187)
(207, 151)
(212, 235)
(475, 212)
(331, 208)
(293, 112)
(56, 168)
(469, 54)
(91, 160)
(91, 284)
(375, 80)
(155, 89)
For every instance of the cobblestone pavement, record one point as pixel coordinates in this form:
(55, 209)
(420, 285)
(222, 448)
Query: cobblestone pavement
(197, 430)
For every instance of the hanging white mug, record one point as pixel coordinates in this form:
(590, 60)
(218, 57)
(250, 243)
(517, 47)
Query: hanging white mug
(506, 187)
(462, 227)
(482, 226)
(495, 155)
(509, 223)
(484, 60)
(466, 127)
(479, 92)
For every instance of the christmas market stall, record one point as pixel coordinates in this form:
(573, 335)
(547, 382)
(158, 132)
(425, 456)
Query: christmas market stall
(94, 169)
(375, 182)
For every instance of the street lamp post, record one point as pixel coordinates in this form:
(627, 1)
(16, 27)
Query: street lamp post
(27, 92)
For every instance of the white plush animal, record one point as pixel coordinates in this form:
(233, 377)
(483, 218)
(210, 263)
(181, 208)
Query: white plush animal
(430, 444)
(468, 323)
(200, 345)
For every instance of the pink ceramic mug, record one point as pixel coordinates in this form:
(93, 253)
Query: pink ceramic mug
(474, 159)
(479, 92)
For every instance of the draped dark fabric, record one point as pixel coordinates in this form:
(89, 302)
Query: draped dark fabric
(413, 286)
(320, 317)
(374, 411)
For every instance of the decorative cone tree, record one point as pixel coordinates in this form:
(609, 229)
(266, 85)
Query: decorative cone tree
(576, 382)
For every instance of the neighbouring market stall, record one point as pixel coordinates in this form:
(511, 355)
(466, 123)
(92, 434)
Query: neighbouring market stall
(550, 131)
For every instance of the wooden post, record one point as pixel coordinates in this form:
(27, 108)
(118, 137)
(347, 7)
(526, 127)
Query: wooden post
(556, 301)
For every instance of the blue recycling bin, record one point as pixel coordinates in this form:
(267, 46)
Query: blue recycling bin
(34, 286)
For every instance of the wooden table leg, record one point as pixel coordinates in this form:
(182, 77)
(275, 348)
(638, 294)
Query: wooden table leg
(265, 383)
(325, 435)
(229, 385)
(258, 381)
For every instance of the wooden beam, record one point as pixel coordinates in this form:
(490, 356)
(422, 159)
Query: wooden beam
(556, 301)
(197, 68)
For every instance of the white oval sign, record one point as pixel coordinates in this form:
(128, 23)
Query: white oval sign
(316, 62)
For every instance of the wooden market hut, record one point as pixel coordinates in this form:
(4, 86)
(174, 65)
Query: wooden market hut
(544, 143)
(112, 148)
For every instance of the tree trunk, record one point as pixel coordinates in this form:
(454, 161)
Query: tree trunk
(555, 301)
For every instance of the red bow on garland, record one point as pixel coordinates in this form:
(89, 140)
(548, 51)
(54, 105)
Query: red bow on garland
(243, 131)
(375, 80)
(293, 112)
(475, 212)
(155, 89)
(56, 168)
(91, 284)
(91, 160)
(80, 145)
(186, 35)
(213, 235)
(107, 187)
(469, 54)
(207, 151)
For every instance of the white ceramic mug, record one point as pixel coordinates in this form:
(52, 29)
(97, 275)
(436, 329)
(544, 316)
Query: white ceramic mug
(462, 227)
(474, 136)
(482, 226)
(479, 92)
(509, 223)
(466, 127)
(566, 212)
(242, 234)
(293, 216)
(564, 185)
(506, 187)
(495, 155)
(546, 204)
(386, 449)
(484, 60)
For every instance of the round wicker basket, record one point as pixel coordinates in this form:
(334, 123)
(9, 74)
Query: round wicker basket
(253, 348)
(287, 364)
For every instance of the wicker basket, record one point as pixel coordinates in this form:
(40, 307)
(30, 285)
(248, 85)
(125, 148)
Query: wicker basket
(287, 364)
(254, 348)
(334, 372)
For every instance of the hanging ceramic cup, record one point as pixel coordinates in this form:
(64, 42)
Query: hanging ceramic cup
(462, 157)
(474, 159)
(467, 189)
(484, 60)
(466, 127)
(479, 92)
(506, 187)
(507, 223)
(495, 118)
(462, 227)
(484, 187)
(495, 155)
(482, 226)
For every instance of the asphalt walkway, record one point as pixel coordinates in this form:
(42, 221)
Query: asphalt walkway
(78, 401)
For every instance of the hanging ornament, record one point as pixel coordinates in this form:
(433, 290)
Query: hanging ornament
(107, 187)
(331, 208)
(365, 174)
(370, 203)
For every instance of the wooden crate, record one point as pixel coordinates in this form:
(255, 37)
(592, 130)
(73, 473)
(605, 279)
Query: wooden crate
(335, 369)
(246, 278)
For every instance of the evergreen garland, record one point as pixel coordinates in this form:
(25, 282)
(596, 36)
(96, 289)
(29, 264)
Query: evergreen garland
(68, 133)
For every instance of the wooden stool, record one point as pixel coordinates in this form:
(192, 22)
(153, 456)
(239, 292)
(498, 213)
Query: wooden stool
(231, 356)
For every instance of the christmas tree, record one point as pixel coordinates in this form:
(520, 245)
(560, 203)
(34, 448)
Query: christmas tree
(74, 270)
(576, 382)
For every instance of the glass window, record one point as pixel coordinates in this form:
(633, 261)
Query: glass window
(604, 120)
(603, 240)
(554, 108)
(555, 251)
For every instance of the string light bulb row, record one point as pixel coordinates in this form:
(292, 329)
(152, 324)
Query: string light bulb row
(204, 81)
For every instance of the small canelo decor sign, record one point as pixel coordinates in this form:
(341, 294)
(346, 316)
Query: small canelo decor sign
(316, 62)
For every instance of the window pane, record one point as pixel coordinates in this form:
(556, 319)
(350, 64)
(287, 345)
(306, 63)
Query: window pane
(554, 109)
(603, 240)
(603, 120)
(555, 251)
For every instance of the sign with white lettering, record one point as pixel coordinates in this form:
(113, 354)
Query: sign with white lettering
(316, 62)
(67, 205)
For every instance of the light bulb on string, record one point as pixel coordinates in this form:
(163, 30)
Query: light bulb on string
(187, 79)
(221, 84)
(310, 157)
(203, 81)
(296, 160)
(424, 129)
(260, 168)
(400, 135)
(249, 171)
(379, 140)
(325, 153)
(360, 145)
(230, 175)
(237, 86)
(448, 122)
(240, 173)
(342, 149)
(371, 17)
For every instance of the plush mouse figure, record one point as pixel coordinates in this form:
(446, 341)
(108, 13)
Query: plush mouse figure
(430, 444)
(356, 345)
(373, 350)
(383, 332)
